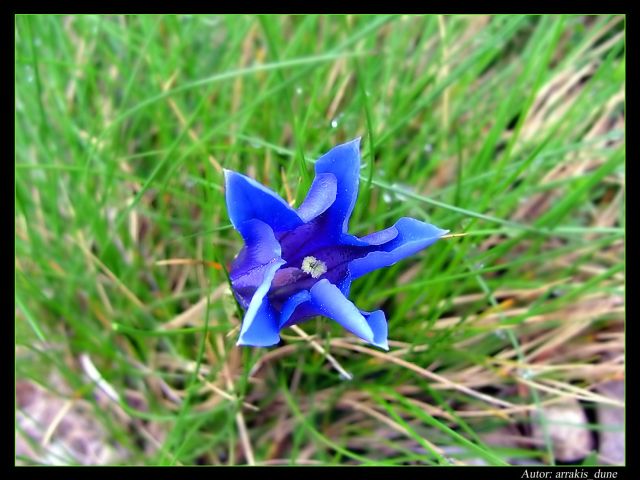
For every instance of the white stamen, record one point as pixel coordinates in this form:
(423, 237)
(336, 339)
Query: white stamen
(313, 266)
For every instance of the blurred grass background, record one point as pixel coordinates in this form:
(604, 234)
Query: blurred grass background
(506, 344)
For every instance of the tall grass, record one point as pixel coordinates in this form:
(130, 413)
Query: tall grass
(507, 128)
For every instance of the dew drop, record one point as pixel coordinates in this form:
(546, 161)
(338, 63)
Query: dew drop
(212, 22)
(334, 123)
(526, 373)
(556, 292)
(399, 189)
(28, 74)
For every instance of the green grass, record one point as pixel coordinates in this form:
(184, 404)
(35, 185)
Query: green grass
(507, 128)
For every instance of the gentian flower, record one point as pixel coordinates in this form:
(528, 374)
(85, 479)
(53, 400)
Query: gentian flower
(299, 263)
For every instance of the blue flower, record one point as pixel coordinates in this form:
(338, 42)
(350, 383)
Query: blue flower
(299, 263)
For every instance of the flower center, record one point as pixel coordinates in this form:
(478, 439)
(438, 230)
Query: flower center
(313, 266)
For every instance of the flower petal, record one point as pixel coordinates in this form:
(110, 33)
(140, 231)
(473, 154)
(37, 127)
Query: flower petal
(378, 238)
(321, 196)
(261, 246)
(248, 199)
(412, 236)
(260, 324)
(378, 324)
(343, 161)
(261, 252)
(330, 302)
(291, 304)
(262, 328)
